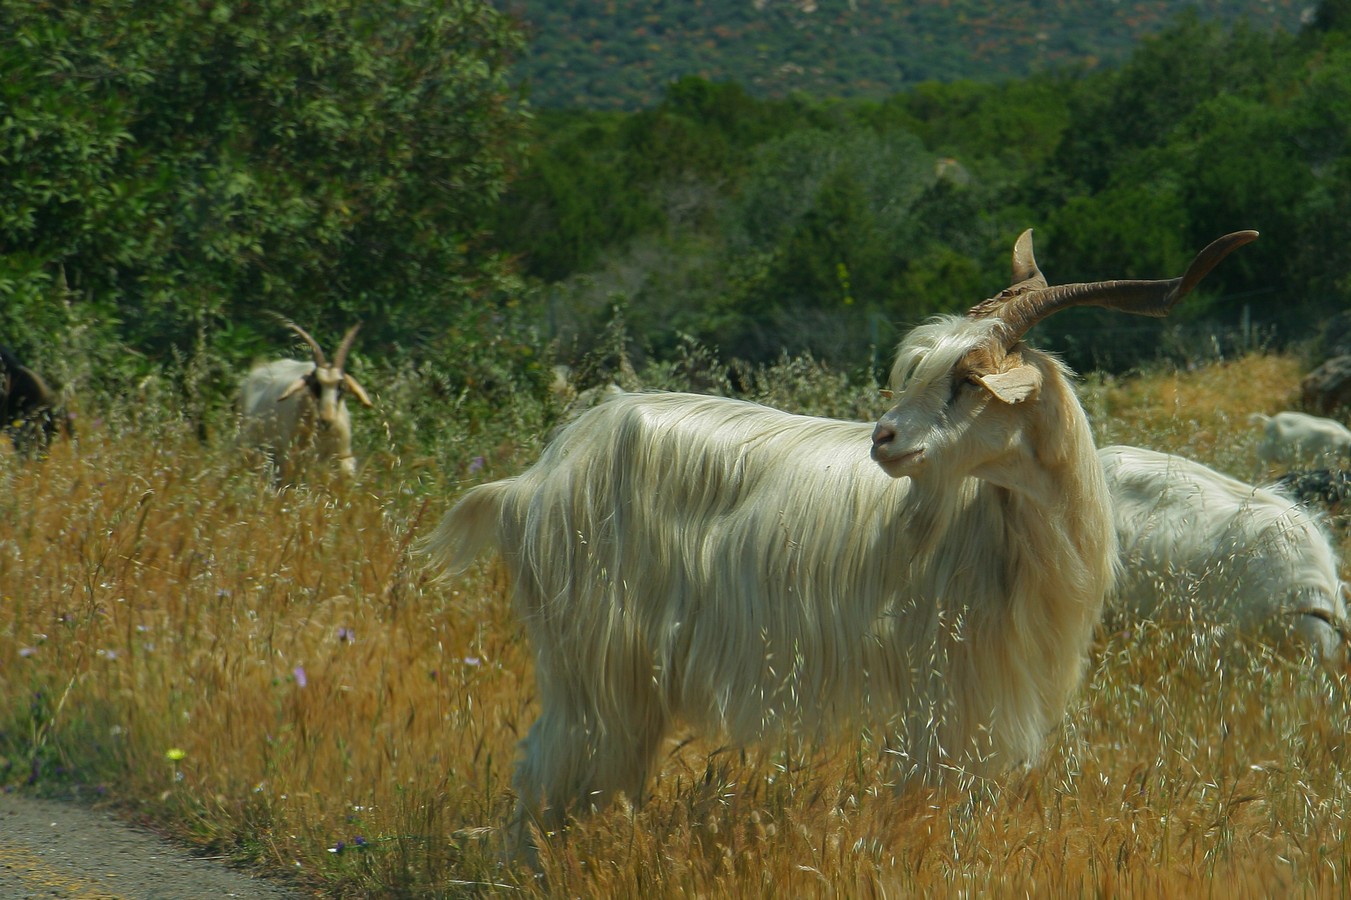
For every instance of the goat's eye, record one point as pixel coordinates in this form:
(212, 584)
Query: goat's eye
(960, 384)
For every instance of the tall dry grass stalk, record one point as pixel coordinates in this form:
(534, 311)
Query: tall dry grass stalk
(271, 676)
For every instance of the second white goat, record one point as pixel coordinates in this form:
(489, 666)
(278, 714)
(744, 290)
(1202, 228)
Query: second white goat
(1223, 556)
(1296, 437)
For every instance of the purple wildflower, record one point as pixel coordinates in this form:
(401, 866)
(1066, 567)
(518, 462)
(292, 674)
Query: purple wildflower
(476, 464)
(299, 673)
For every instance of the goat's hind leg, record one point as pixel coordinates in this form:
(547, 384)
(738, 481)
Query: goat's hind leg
(578, 756)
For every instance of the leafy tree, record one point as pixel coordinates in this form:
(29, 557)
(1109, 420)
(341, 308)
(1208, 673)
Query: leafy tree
(169, 169)
(595, 180)
(573, 198)
(1315, 260)
(1147, 99)
(1013, 125)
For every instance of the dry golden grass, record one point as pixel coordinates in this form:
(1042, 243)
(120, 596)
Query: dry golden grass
(271, 674)
(1202, 414)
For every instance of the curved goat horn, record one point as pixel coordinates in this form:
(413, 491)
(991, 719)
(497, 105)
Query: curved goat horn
(1031, 300)
(314, 345)
(340, 356)
(1027, 278)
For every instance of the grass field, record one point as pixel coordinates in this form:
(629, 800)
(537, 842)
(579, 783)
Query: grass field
(274, 677)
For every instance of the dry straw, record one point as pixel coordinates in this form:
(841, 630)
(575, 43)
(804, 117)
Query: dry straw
(266, 674)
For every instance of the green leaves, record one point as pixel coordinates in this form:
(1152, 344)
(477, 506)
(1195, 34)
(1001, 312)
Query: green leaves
(183, 161)
(168, 170)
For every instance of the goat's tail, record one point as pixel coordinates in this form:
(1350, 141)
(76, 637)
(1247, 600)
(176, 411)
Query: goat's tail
(468, 529)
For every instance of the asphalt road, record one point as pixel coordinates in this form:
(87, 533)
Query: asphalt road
(50, 849)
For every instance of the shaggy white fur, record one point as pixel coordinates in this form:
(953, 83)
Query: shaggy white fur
(1200, 547)
(750, 572)
(747, 572)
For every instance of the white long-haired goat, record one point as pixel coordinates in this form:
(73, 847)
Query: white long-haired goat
(1296, 437)
(751, 572)
(291, 409)
(1202, 548)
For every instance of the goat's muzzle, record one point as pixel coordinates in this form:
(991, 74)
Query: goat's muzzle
(883, 436)
(894, 460)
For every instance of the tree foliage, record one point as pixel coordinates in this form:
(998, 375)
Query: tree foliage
(828, 225)
(620, 54)
(170, 169)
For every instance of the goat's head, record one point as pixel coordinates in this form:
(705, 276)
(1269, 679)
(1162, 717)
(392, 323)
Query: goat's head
(963, 383)
(328, 383)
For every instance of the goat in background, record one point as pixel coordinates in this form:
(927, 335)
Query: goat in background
(1295, 437)
(291, 410)
(751, 572)
(1223, 556)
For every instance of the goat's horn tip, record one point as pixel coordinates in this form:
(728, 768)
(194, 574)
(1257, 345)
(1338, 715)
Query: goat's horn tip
(1239, 238)
(1222, 247)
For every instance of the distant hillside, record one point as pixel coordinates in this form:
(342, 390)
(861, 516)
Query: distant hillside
(620, 53)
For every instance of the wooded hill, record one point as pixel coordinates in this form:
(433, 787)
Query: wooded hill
(763, 225)
(613, 54)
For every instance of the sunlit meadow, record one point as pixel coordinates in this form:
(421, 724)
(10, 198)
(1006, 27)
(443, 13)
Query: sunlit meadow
(272, 676)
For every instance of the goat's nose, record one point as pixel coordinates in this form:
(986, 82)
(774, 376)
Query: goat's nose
(883, 435)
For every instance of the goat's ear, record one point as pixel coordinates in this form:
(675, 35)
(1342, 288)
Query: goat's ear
(297, 385)
(357, 390)
(1014, 386)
